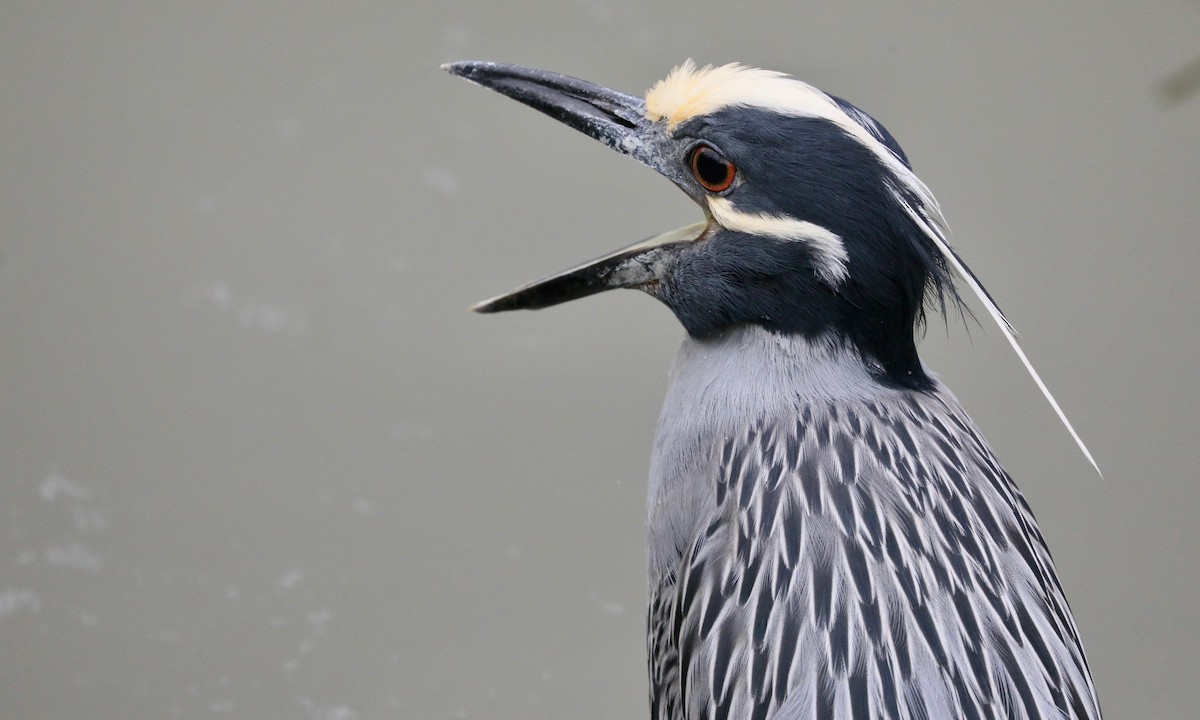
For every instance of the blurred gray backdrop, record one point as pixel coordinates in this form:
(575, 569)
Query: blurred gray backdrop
(258, 461)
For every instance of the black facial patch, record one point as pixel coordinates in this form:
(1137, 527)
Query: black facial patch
(810, 169)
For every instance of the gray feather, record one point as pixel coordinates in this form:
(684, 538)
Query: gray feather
(854, 551)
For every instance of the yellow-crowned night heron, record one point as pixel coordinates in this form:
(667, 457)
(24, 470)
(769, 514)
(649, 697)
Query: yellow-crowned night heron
(829, 535)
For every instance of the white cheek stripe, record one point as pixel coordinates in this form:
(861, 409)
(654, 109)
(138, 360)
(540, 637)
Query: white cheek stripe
(829, 251)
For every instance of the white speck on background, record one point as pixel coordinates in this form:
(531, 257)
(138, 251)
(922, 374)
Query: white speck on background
(57, 485)
(74, 556)
(340, 712)
(290, 579)
(12, 601)
(331, 712)
(514, 551)
(362, 505)
(232, 592)
(272, 318)
(319, 618)
(216, 294)
(250, 313)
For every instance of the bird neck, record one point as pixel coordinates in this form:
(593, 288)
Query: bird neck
(723, 381)
(882, 348)
(754, 367)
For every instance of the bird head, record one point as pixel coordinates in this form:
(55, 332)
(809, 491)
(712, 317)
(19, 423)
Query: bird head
(814, 223)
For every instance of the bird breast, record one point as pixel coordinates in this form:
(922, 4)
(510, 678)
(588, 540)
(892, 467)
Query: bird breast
(720, 385)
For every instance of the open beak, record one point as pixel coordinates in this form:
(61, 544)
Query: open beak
(617, 120)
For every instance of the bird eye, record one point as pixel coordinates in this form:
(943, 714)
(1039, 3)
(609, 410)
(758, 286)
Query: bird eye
(712, 170)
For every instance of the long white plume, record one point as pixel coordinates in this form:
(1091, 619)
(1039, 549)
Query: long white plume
(934, 231)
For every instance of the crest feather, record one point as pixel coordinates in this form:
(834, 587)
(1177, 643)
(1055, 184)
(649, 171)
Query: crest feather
(687, 91)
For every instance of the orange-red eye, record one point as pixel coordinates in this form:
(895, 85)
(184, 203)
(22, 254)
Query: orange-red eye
(712, 170)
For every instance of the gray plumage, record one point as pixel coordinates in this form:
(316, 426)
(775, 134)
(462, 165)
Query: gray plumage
(821, 546)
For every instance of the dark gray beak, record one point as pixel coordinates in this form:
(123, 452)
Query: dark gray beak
(638, 265)
(615, 119)
(612, 117)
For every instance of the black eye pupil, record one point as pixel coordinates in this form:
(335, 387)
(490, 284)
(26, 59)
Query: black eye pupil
(711, 167)
(713, 171)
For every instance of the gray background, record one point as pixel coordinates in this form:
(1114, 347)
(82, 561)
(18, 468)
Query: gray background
(257, 460)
